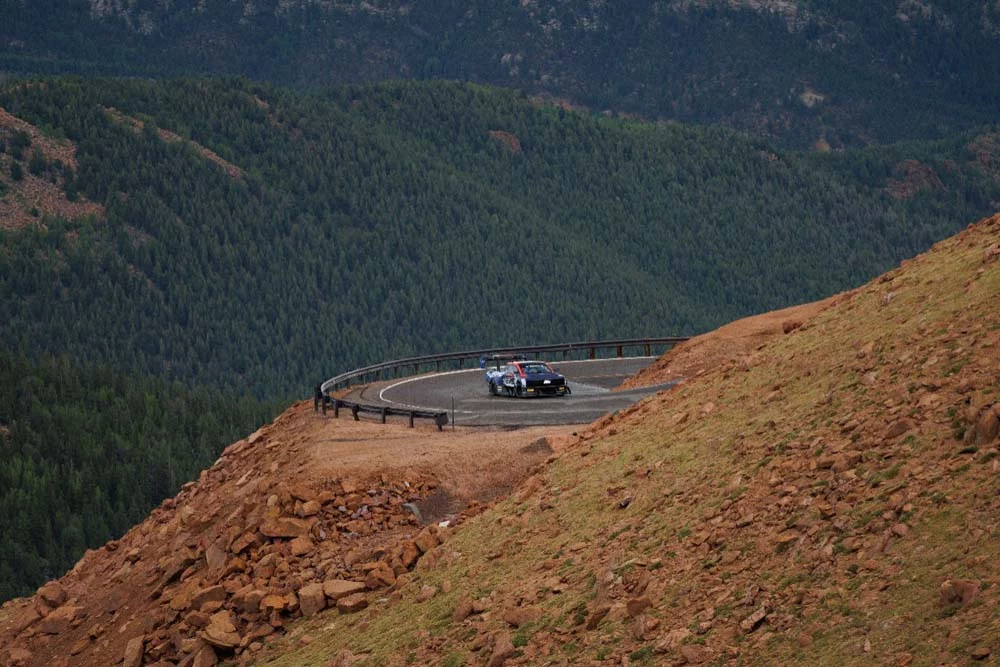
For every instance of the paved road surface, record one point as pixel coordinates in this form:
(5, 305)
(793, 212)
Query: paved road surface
(590, 382)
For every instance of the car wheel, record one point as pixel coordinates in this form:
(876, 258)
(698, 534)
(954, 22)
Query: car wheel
(519, 391)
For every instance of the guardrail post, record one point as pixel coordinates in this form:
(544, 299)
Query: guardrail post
(354, 412)
(619, 351)
(336, 408)
(411, 418)
(646, 348)
(385, 411)
(593, 353)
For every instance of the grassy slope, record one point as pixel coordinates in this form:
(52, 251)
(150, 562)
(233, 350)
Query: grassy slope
(735, 505)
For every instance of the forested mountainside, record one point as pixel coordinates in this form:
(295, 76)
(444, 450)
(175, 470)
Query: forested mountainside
(254, 239)
(823, 72)
(88, 452)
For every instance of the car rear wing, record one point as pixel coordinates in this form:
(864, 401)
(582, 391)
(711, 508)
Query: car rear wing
(498, 360)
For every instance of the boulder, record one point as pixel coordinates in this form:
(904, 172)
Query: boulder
(518, 616)
(60, 620)
(350, 604)
(215, 557)
(242, 543)
(248, 598)
(206, 595)
(197, 619)
(958, 591)
(52, 594)
(898, 428)
(597, 615)
(339, 588)
(426, 540)
(205, 657)
(286, 527)
(788, 326)
(273, 603)
(672, 640)
(753, 621)
(503, 650)
(24, 619)
(463, 609)
(221, 633)
(410, 554)
(636, 606)
(302, 545)
(987, 427)
(133, 652)
(694, 654)
(312, 599)
(308, 508)
(380, 576)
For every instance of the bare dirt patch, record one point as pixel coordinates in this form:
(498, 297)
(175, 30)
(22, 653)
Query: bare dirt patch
(52, 149)
(33, 197)
(911, 177)
(171, 137)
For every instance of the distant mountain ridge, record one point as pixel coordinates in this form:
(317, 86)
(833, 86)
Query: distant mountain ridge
(818, 73)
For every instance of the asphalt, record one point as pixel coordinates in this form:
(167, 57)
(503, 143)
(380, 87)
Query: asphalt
(465, 393)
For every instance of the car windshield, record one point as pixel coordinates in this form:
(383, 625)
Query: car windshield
(536, 367)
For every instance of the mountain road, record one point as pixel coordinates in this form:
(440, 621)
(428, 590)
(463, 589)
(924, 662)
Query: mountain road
(465, 392)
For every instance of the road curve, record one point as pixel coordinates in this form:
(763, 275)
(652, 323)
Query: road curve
(590, 381)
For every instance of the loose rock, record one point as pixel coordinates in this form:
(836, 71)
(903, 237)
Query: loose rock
(352, 603)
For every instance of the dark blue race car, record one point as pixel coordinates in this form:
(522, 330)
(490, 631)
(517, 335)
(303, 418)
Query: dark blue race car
(524, 378)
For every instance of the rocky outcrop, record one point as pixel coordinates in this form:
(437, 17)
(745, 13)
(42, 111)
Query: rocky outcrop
(220, 569)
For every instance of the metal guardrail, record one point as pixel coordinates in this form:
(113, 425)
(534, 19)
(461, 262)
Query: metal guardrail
(376, 371)
(440, 418)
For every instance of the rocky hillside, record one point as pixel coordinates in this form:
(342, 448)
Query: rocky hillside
(305, 514)
(818, 73)
(827, 497)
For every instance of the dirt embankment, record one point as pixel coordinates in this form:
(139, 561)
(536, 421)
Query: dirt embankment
(728, 343)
